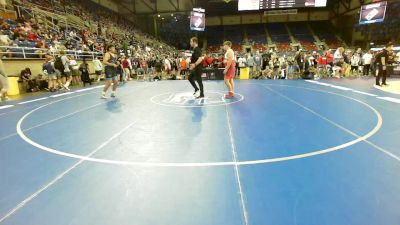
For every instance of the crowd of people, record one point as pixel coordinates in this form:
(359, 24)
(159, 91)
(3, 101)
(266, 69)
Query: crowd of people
(140, 55)
(62, 47)
(309, 65)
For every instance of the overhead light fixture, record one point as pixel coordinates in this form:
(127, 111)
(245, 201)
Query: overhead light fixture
(159, 15)
(172, 14)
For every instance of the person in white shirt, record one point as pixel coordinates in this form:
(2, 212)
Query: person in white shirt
(242, 62)
(355, 60)
(257, 63)
(338, 55)
(338, 61)
(250, 64)
(167, 66)
(53, 49)
(98, 68)
(367, 59)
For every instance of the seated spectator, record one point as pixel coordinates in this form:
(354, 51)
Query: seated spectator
(265, 74)
(26, 76)
(32, 36)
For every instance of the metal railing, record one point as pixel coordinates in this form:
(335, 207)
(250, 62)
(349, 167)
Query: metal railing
(13, 52)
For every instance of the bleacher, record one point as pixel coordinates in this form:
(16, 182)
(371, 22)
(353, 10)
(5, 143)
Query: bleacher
(279, 35)
(91, 14)
(215, 38)
(175, 31)
(324, 31)
(234, 34)
(256, 34)
(303, 35)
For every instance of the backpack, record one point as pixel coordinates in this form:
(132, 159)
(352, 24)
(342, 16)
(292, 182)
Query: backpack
(58, 64)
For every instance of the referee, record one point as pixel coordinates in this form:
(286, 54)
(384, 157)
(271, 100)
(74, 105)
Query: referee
(382, 61)
(196, 68)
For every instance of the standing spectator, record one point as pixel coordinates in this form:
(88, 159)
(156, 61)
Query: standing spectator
(85, 75)
(257, 64)
(309, 69)
(329, 59)
(367, 59)
(74, 71)
(355, 60)
(184, 66)
(242, 62)
(300, 61)
(66, 77)
(151, 64)
(283, 65)
(98, 68)
(125, 66)
(49, 70)
(167, 66)
(158, 68)
(250, 64)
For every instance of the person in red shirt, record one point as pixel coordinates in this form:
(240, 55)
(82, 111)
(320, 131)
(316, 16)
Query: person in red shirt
(329, 59)
(32, 36)
(126, 67)
(329, 56)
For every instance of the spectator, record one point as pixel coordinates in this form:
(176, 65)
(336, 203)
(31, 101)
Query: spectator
(355, 61)
(73, 64)
(85, 73)
(98, 67)
(49, 70)
(26, 76)
(126, 68)
(367, 59)
(66, 77)
(250, 64)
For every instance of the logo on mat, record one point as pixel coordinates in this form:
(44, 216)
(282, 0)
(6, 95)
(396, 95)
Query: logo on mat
(187, 99)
